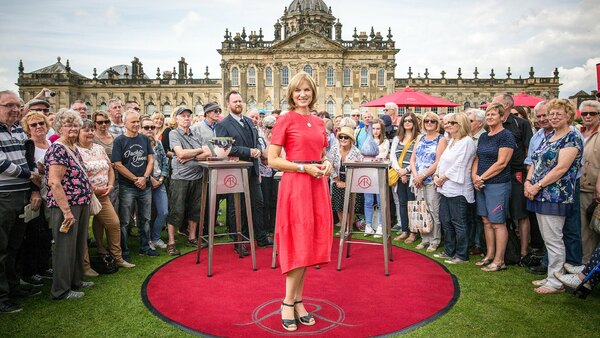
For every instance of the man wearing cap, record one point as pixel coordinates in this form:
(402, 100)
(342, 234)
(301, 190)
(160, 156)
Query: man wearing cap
(185, 187)
(15, 189)
(116, 117)
(246, 147)
(133, 158)
(206, 127)
(390, 128)
(391, 110)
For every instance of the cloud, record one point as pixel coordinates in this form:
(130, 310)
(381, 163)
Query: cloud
(112, 16)
(186, 23)
(579, 78)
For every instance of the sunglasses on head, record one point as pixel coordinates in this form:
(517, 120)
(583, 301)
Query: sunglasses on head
(35, 124)
(589, 113)
(149, 127)
(429, 121)
(103, 122)
(343, 137)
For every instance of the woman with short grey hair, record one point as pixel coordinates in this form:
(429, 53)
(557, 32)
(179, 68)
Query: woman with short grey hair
(69, 197)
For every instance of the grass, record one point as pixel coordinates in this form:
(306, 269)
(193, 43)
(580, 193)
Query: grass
(491, 304)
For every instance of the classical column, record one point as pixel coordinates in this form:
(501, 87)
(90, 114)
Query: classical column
(260, 85)
(244, 81)
(276, 85)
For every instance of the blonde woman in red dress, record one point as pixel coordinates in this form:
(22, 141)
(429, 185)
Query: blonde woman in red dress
(304, 222)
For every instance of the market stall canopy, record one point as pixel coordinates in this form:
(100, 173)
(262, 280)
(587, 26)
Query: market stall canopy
(522, 100)
(409, 97)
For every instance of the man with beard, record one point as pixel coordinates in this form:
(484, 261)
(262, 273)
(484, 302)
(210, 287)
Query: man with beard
(246, 147)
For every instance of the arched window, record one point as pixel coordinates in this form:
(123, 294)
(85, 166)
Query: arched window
(330, 77)
(103, 106)
(347, 77)
(268, 107)
(285, 76)
(167, 109)
(347, 108)
(268, 76)
(381, 78)
(235, 77)
(199, 109)
(283, 105)
(251, 76)
(150, 108)
(364, 76)
(309, 70)
(330, 106)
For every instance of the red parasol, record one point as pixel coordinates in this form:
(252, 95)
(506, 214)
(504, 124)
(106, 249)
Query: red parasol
(522, 100)
(410, 98)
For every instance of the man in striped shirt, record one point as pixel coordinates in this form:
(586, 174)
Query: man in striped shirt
(15, 192)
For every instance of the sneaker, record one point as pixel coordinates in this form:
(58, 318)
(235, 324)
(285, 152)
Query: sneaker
(149, 252)
(24, 293)
(432, 247)
(125, 264)
(47, 274)
(570, 280)
(35, 280)
(455, 260)
(442, 255)
(379, 232)
(91, 273)
(151, 245)
(9, 307)
(74, 295)
(86, 284)
(172, 250)
(397, 228)
(369, 230)
(573, 268)
(159, 244)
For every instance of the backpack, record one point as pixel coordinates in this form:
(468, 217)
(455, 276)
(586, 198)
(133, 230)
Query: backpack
(513, 246)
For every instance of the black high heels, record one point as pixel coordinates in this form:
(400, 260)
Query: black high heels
(305, 320)
(288, 324)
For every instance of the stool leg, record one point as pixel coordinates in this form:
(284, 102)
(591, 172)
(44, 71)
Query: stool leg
(383, 198)
(211, 219)
(350, 223)
(249, 217)
(238, 221)
(202, 211)
(344, 219)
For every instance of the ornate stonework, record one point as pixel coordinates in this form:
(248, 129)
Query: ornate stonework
(307, 37)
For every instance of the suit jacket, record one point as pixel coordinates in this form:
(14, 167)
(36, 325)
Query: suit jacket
(244, 141)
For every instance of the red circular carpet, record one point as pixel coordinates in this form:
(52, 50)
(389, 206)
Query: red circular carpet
(358, 301)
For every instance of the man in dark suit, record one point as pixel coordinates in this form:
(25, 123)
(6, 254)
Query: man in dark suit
(245, 134)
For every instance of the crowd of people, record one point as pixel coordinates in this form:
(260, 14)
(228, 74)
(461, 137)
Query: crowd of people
(480, 173)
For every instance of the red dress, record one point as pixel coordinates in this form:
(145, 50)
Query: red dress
(304, 222)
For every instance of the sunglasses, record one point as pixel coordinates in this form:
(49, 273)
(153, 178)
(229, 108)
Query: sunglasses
(103, 122)
(589, 113)
(149, 127)
(35, 124)
(269, 127)
(343, 137)
(408, 120)
(453, 123)
(429, 121)
(355, 115)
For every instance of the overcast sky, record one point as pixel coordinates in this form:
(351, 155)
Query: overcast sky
(437, 34)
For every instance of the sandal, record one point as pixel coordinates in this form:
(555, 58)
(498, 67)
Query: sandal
(539, 282)
(411, 239)
(548, 290)
(493, 267)
(288, 324)
(307, 320)
(403, 235)
(484, 261)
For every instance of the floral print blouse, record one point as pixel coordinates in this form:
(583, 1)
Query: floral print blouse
(335, 156)
(425, 153)
(75, 183)
(96, 162)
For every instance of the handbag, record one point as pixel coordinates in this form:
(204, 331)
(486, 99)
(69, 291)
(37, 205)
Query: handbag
(420, 218)
(104, 264)
(369, 148)
(393, 175)
(95, 205)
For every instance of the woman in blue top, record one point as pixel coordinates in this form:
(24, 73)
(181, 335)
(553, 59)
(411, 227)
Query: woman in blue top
(424, 161)
(491, 179)
(550, 187)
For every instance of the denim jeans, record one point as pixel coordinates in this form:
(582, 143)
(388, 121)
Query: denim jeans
(454, 218)
(160, 201)
(404, 195)
(143, 198)
(369, 199)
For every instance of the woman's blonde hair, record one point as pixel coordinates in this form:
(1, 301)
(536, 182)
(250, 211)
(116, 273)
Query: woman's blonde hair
(563, 104)
(464, 124)
(295, 83)
(434, 116)
(33, 115)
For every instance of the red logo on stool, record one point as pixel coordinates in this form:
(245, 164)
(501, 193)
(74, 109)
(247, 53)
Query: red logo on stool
(364, 182)
(230, 181)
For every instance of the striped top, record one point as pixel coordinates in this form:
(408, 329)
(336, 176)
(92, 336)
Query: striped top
(14, 173)
(396, 152)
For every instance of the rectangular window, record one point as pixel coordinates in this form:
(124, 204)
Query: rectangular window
(381, 78)
(364, 77)
(330, 78)
(268, 77)
(285, 76)
(347, 77)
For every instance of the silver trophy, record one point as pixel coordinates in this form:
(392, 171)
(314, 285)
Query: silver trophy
(220, 147)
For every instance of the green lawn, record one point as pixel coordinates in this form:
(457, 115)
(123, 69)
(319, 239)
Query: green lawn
(491, 304)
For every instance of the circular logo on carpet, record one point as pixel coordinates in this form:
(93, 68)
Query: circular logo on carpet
(323, 310)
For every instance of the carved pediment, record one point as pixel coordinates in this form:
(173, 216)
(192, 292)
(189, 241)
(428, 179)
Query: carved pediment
(308, 40)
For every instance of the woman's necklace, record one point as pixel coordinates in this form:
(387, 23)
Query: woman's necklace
(307, 120)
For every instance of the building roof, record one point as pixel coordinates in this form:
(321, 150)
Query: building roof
(311, 5)
(118, 70)
(58, 68)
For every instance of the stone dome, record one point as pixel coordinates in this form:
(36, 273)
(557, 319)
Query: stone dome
(119, 71)
(310, 5)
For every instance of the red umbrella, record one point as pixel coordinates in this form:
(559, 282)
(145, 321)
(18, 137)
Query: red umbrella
(522, 100)
(408, 97)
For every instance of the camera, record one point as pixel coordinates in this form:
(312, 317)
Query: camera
(49, 93)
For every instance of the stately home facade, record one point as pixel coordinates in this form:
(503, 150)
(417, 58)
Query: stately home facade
(307, 37)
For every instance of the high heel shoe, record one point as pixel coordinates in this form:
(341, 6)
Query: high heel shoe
(288, 324)
(307, 320)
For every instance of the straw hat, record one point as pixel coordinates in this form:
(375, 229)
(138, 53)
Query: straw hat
(348, 132)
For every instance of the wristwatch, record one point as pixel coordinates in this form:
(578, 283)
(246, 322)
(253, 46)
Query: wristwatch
(300, 168)
(540, 185)
(147, 178)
